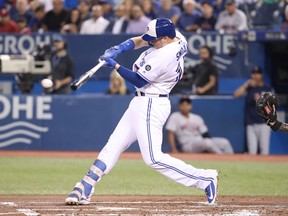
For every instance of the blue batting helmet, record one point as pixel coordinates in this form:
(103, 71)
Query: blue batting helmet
(158, 28)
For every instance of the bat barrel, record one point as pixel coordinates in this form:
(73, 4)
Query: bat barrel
(86, 76)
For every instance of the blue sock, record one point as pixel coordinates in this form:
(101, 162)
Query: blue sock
(93, 176)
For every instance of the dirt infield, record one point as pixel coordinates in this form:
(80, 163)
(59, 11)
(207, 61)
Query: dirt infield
(146, 206)
(136, 155)
(32, 205)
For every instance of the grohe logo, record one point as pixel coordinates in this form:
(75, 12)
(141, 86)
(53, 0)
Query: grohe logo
(221, 45)
(18, 113)
(11, 44)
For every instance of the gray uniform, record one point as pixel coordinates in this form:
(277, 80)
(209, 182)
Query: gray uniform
(189, 132)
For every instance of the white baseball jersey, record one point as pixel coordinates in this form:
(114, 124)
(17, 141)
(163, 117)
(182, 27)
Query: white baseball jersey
(186, 128)
(162, 77)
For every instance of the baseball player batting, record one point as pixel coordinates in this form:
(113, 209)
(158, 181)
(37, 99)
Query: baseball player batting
(154, 74)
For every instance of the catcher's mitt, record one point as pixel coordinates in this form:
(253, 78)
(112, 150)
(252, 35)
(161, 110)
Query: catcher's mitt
(267, 105)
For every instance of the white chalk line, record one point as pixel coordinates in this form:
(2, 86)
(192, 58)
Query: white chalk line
(163, 202)
(12, 204)
(10, 213)
(31, 210)
(28, 212)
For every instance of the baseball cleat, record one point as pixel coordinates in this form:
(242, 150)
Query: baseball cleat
(77, 196)
(211, 189)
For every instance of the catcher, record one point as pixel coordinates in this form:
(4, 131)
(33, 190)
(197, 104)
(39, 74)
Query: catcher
(267, 105)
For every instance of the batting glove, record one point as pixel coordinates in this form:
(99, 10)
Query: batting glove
(109, 62)
(112, 52)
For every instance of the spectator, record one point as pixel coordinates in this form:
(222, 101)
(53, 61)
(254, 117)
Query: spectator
(168, 10)
(117, 84)
(48, 4)
(178, 3)
(7, 25)
(128, 4)
(84, 8)
(120, 22)
(73, 23)
(55, 18)
(206, 22)
(148, 8)
(205, 74)
(218, 6)
(107, 7)
(97, 24)
(257, 131)
(187, 20)
(192, 133)
(22, 26)
(138, 22)
(231, 20)
(62, 67)
(22, 7)
(36, 21)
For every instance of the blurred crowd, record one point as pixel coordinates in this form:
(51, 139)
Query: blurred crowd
(132, 16)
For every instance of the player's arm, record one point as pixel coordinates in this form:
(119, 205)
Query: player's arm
(129, 75)
(62, 82)
(284, 127)
(171, 140)
(139, 42)
(279, 126)
(211, 83)
(242, 89)
(127, 45)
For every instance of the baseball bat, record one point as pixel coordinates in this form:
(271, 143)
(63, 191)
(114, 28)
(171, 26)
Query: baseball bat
(86, 76)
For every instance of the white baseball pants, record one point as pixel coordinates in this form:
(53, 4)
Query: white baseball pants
(217, 145)
(143, 121)
(258, 135)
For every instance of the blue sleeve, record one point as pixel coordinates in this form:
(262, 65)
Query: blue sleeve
(132, 77)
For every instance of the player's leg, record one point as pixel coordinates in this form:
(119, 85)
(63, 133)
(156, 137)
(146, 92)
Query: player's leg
(193, 146)
(200, 145)
(264, 138)
(223, 144)
(119, 141)
(211, 147)
(252, 142)
(148, 129)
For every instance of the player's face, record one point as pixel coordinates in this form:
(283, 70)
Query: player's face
(58, 45)
(257, 77)
(185, 108)
(231, 8)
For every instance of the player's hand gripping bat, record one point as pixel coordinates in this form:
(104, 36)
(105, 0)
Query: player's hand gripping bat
(86, 76)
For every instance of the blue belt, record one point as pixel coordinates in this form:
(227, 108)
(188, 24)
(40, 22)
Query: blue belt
(150, 95)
